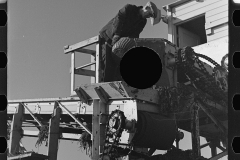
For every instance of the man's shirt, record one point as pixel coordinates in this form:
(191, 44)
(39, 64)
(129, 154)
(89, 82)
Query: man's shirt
(127, 23)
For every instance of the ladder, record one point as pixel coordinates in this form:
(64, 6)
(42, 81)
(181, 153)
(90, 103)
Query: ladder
(94, 73)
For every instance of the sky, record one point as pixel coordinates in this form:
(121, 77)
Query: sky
(37, 66)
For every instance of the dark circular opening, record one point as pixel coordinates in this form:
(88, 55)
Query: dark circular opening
(141, 67)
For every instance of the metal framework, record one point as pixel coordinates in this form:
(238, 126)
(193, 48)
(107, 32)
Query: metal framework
(93, 102)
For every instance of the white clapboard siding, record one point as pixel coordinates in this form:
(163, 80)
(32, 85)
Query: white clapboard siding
(217, 11)
(199, 5)
(216, 17)
(216, 23)
(189, 4)
(218, 35)
(198, 10)
(220, 28)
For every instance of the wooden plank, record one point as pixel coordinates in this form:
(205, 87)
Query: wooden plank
(68, 49)
(218, 35)
(16, 126)
(196, 6)
(216, 23)
(84, 72)
(53, 134)
(217, 11)
(216, 17)
(86, 65)
(87, 51)
(196, 12)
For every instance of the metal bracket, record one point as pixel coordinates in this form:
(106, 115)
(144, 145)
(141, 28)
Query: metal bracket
(102, 94)
(82, 95)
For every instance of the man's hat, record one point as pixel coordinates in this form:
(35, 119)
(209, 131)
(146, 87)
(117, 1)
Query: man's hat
(156, 13)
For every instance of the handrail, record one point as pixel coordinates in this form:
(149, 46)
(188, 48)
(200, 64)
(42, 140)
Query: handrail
(85, 43)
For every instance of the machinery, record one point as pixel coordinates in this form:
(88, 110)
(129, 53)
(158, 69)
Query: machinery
(200, 93)
(122, 122)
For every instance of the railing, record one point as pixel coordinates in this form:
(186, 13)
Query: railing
(79, 47)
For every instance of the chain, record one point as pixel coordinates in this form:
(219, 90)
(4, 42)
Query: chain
(113, 132)
(200, 77)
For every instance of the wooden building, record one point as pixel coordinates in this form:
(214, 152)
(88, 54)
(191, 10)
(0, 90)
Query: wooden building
(201, 24)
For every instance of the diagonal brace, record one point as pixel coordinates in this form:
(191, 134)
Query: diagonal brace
(213, 118)
(80, 123)
(30, 112)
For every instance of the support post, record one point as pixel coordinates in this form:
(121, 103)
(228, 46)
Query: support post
(195, 131)
(98, 61)
(72, 72)
(98, 69)
(93, 67)
(16, 127)
(53, 134)
(95, 130)
(98, 128)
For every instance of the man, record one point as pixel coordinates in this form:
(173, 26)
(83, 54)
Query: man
(129, 22)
